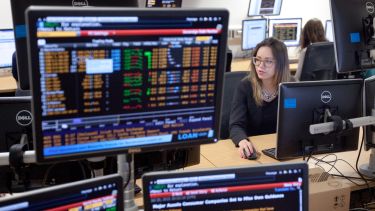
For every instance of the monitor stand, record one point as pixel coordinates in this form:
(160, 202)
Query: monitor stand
(368, 169)
(125, 168)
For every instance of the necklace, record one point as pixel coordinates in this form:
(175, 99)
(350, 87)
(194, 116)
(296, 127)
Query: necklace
(268, 97)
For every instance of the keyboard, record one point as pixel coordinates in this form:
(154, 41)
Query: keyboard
(270, 152)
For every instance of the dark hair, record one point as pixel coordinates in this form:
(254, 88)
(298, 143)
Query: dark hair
(282, 74)
(312, 32)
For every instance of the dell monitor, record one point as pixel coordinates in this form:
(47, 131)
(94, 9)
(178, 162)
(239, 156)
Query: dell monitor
(369, 105)
(353, 34)
(124, 80)
(7, 47)
(319, 62)
(16, 120)
(103, 193)
(302, 104)
(164, 3)
(329, 30)
(286, 30)
(253, 32)
(282, 186)
(18, 15)
(264, 7)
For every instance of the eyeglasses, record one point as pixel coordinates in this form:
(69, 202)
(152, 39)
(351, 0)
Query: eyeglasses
(266, 62)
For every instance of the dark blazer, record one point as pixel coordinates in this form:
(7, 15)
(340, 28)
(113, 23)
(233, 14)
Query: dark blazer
(248, 119)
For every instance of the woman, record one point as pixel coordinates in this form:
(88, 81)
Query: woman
(312, 32)
(254, 106)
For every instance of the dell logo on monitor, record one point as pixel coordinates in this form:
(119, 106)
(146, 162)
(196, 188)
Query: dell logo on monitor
(24, 118)
(326, 96)
(80, 3)
(370, 7)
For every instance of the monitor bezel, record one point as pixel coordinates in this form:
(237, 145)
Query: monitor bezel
(271, 22)
(74, 186)
(249, 15)
(148, 177)
(243, 34)
(282, 155)
(34, 11)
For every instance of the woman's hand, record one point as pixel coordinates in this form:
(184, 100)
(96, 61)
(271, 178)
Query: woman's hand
(245, 146)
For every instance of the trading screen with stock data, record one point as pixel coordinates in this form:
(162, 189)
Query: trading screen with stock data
(112, 82)
(265, 187)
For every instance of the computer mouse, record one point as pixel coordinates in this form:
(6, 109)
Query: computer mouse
(253, 155)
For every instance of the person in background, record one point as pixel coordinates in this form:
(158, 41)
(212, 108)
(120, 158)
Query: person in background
(312, 32)
(254, 105)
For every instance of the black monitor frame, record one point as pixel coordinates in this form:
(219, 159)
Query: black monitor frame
(18, 16)
(239, 180)
(67, 194)
(244, 34)
(319, 62)
(303, 103)
(16, 120)
(353, 31)
(298, 21)
(35, 12)
(159, 3)
(369, 106)
(272, 14)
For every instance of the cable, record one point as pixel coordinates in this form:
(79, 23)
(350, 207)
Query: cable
(82, 169)
(47, 174)
(317, 159)
(128, 160)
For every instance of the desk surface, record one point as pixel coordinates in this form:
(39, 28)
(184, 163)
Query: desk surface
(7, 84)
(225, 154)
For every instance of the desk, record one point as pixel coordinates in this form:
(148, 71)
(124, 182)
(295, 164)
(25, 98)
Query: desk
(225, 154)
(7, 84)
(244, 64)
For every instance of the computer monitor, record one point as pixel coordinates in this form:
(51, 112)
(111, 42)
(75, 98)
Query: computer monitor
(287, 30)
(7, 47)
(253, 32)
(319, 62)
(16, 120)
(369, 105)
(302, 104)
(115, 83)
(18, 16)
(264, 7)
(103, 193)
(329, 30)
(164, 3)
(282, 186)
(353, 33)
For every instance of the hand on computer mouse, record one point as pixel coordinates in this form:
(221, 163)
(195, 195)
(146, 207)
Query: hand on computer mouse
(247, 150)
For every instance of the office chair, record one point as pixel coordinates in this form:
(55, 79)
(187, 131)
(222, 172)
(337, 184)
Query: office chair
(319, 62)
(231, 81)
(19, 91)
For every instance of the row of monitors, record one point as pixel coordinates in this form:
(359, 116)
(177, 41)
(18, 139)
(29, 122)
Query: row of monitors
(256, 7)
(287, 30)
(254, 31)
(104, 83)
(279, 186)
(353, 46)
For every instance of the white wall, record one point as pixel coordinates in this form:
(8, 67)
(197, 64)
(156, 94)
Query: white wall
(5, 15)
